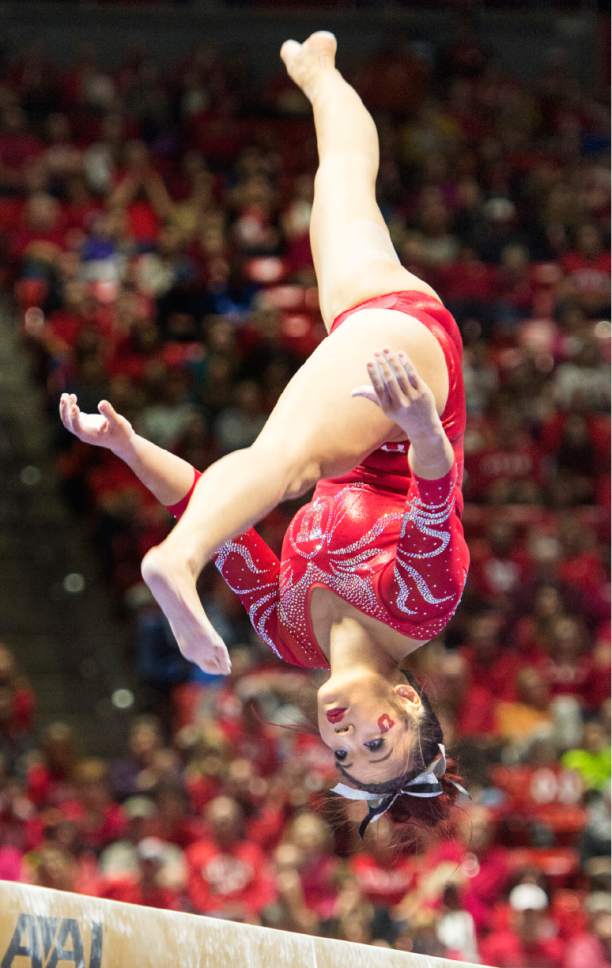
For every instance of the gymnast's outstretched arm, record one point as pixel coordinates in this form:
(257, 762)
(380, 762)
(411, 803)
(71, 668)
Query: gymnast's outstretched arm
(172, 480)
(168, 477)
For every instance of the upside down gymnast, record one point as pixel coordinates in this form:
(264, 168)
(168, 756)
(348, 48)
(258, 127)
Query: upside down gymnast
(374, 565)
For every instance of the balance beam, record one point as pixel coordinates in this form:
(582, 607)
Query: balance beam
(41, 928)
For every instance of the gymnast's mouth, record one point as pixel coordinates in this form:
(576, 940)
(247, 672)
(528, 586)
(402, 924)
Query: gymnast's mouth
(336, 715)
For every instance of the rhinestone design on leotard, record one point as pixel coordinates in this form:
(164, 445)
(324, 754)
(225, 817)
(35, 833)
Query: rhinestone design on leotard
(344, 540)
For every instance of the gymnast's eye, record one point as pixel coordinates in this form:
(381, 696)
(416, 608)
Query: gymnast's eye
(340, 755)
(374, 744)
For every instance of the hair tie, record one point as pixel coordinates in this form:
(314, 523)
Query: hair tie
(426, 784)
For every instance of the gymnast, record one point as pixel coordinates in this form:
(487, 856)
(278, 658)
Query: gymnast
(374, 565)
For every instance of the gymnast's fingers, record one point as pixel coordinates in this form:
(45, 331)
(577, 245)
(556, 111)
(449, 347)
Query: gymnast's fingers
(108, 411)
(393, 390)
(412, 374)
(378, 383)
(399, 373)
(75, 414)
(65, 412)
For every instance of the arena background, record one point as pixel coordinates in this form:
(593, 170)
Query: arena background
(155, 182)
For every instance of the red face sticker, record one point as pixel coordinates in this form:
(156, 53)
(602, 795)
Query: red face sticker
(385, 723)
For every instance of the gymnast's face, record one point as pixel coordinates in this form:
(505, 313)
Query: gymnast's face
(369, 723)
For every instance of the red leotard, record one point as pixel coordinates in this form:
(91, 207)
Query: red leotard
(384, 540)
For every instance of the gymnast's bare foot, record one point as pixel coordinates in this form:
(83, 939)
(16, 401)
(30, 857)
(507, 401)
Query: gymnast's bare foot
(174, 587)
(305, 62)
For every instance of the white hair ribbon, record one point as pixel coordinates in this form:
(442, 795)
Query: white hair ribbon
(429, 777)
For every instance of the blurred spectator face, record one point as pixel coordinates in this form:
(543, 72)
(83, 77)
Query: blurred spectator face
(115, 224)
(502, 537)
(7, 666)
(141, 814)
(55, 868)
(59, 749)
(242, 779)
(136, 155)
(75, 296)
(576, 431)
(14, 120)
(221, 337)
(225, 817)
(144, 740)
(91, 777)
(468, 194)
(434, 219)
(170, 242)
(6, 708)
(42, 212)
(484, 635)
(150, 852)
(532, 689)
(476, 829)
(57, 128)
(542, 751)
(172, 804)
(601, 925)
(175, 387)
(588, 240)
(548, 602)
(453, 676)
(111, 129)
(515, 258)
(594, 737)
(311, 835)
(567, 638)
(248, 397)
(529, 903)
(529, 925)
(356, 925)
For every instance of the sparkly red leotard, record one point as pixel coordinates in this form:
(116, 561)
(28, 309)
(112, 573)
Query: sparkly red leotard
(386, 541)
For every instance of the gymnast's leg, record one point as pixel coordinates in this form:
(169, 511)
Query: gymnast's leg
(316, 429)
(353, 254)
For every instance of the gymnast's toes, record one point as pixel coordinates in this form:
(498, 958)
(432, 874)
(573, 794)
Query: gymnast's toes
(305, 61)
(322, 44)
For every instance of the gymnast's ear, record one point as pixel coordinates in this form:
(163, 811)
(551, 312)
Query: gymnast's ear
(408, 694)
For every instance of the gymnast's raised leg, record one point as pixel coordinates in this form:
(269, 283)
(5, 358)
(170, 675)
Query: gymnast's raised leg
(317, 428)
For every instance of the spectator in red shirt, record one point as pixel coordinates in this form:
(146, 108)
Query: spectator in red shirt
(53, 866)
(145, 885)
(144, 741)
(484, 862)
(592, 946)
(531, 941)
(23, 701)
(102, 820)
(493, 664)
(469, 704)
(18, 145)
(567, 667)
(383, 875)
(174, 824)
(317, 866)
(228, 876)
(50, 776)
(587, 267)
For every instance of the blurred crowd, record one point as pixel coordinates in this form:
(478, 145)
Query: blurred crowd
(154, 233)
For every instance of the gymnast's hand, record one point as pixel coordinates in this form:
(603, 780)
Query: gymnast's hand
(402, 395)
(104, 429)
